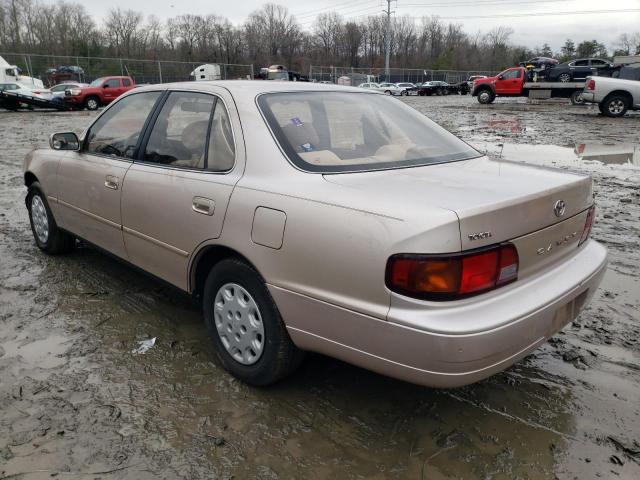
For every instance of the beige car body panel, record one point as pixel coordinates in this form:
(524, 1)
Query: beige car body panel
(321, 243)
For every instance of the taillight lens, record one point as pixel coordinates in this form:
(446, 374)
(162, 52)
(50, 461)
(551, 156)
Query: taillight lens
(591, 85)
(449, 277)
(588, 225)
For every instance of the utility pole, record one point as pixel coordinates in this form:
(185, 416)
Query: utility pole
(387, 40)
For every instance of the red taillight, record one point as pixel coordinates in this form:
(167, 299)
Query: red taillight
(588, 225)
(591, 85)
(448, 277)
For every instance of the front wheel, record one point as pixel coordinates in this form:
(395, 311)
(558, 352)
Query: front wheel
(49, 238)
(404, 93)
(564, 77)
(92, 103)
(387, 92)
(486, 96)
(248, 334)
(615, 106)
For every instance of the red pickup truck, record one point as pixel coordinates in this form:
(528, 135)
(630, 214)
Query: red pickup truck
(101, 91)
(513, 82)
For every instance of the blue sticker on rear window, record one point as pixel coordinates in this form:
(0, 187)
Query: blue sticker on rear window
(307, 147)
(296, 121)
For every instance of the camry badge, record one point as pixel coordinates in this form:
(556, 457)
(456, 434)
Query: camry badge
(559, 208)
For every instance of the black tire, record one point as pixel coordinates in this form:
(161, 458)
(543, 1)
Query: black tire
(279, 357)
(56, 241)
(387, 92)
(404, 93)
(576, 98)
(564, 77)
(614, 105)
(92, 103)
(600, 107)
(486, 96)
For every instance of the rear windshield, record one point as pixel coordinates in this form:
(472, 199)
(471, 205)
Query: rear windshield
(333, 132)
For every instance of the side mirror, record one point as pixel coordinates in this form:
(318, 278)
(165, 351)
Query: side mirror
(106, 85)
(64, 141)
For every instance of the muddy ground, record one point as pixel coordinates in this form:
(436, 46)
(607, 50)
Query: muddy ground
(75, 403)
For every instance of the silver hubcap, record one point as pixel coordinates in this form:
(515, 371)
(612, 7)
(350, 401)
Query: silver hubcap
(239, 323)
(616, 106)
(39, 218)
(92, 104)
(484, 96)
(564, 77)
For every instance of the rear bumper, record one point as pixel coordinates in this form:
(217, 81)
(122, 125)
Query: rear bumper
(522, 318)
(589, 97)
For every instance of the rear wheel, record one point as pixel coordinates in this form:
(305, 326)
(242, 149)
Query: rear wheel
(564, 77)
(576, 98)
(49, 238)
(615, 106)
(92, 103)
(486, 96)
(404, 93)
(387, 92)
(243, 321)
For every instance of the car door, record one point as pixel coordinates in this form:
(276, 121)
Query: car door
(600, 67)
(111, 89)
(509, 82)
(90, 181)
(176, 193)
(580, 69)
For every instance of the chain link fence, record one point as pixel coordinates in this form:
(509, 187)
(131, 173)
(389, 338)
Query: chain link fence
(90, 68)
(412, 75)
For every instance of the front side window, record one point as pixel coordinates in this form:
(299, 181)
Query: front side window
(509, 75)
(582, 63)
(112, 83)
(334, 132)
(117, 131)
(179, 136)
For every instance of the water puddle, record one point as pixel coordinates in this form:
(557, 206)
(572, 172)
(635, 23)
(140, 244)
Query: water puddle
(615, 155)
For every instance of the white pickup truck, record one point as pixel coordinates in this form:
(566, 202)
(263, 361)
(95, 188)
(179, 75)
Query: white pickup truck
(615, 96)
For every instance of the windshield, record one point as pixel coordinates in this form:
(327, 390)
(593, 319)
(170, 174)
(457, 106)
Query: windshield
(97, 82)
(334, 132)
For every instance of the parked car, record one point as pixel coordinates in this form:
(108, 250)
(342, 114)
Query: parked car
(472, 78)
(390, 88)
(58, 91)
(101, 91)
(435, 88)
(328, 219)
(43, 93)
(579, 69)
(370, 86)
(615, 96)
(540, 62)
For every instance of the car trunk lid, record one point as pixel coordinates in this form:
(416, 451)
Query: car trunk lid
(495, 201)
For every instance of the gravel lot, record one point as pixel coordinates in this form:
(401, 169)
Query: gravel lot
(76, 403)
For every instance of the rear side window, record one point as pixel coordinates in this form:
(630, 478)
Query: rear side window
(126, 82)
(118, 130)
(334, 132)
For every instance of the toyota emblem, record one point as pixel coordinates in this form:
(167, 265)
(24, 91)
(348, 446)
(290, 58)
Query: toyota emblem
(559, 208)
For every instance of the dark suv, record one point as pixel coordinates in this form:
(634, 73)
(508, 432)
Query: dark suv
(580, 69)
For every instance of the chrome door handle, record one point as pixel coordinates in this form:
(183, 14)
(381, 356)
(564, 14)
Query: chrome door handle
(203, 205)
(112, 182)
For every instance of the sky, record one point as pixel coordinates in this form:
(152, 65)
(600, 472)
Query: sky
(532, 27)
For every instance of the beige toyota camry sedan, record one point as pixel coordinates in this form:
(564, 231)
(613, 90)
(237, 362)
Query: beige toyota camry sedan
(328, 219)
